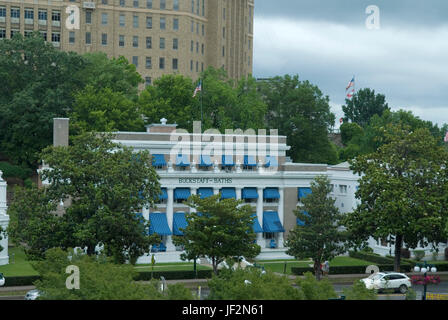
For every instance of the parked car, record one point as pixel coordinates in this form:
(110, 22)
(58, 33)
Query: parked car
(388, 280)
(32, 294)
(2, 280)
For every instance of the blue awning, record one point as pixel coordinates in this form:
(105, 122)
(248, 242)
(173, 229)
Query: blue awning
(159, 224)
(256, 226)
(227, 193)
(250, 193)
(303, 192)
(182, 160)
(158, 160)
(271, 193)
(300, 222)
(250, 161)
(206, 161)
(181, 193)
(163, 195)
(179, 221)
(227, 160)
(205, 192)
(271, 161)
(271, 222)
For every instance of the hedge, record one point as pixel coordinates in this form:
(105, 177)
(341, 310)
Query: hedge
(173, 275)
(370, 257)
(20, 281)
(349, 269)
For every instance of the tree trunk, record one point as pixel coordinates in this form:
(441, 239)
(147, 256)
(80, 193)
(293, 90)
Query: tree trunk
(398, 244)
(215, 266)
(317, 271)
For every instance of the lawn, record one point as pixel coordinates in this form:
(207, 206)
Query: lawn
(18, 265)
(279, 265)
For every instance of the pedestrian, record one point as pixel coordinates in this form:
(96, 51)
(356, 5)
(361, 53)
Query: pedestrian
(326, 268)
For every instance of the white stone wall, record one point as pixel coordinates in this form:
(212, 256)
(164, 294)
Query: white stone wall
(4, 220)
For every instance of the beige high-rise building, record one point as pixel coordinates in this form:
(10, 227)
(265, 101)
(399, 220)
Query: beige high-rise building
(158, 36)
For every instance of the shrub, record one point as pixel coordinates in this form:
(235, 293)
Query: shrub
(360, 269)
(13, 171)
(314, 289)
(419, 254)
(359, 292)
(370, 257)
(411, 294)
(172, 275)
(20, 281)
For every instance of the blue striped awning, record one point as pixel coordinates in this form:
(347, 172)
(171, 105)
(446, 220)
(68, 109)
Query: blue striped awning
(227, 193)
(250, 161)
(205, 192)
(227, 160)
(179, 221)
(300, 222)
(249, 193)
(271, 161)
(159, 224)
(163, 195)
(256, 226)
(158, 160)
(271, 193)
(182, 160)
(206, 161)
(181, 193)
(271, 222)
(303, 192)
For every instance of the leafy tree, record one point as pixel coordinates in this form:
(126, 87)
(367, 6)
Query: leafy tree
(105, 183)
(319, 237)
(349, 131)
(98, 280)
(363, 105)
(104, 110)
(299, 110)
(234, 285)
(315, 290)
(37, 81)
(220, 230)
(402, 191)
(359, 292)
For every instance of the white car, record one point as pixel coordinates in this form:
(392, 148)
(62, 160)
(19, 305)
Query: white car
(2, 280)
(32, 294)
(388, 280)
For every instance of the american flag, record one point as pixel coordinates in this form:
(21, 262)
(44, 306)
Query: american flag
(351, 93)
(198, 88)
(350, 84)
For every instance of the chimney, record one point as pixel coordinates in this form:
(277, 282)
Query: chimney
(60, 132)
(161, 127)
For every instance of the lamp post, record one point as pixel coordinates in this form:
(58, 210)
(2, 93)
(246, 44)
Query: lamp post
(425, 268)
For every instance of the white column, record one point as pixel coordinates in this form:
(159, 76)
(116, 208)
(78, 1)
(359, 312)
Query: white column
(260, 241)
(169, 217)
(193, 191)
(281, 216)
(215, 190)
(4, 221)
(238, 193)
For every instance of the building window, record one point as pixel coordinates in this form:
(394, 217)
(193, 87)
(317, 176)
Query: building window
(122, 3)
(202, 66)
(162, 4)
(223, 51)
(175, 44)
(149, 4)
(2, 33)
(197, 7)
(55, 37)
(191, 65)
(192, 26)
(176, 5)
(148, 63)
(147, 81)
(192, 6)
(175, 64)
(342, 189)
(104, 39)
(103, 18)
(135, 2)
(135, 21)
(103, 1)
(192, 46)
(162, 43)
(197, 66)
(88, 17)
(162, 23)
(121, 40)
(148, 42)
(148, 22)
(175, 24)
(122, 19)
(197, 47)
(2, 14)
(224, 13)
(203, 30)
(135, 61)
(162, 63)
(15, 13)
(71, 37)
(135, 41)
(197, 27)
(202, 49)
(43, 35)
(223, 32)
(13, 32)
(88, 38)
(203, 7)
(29, 16)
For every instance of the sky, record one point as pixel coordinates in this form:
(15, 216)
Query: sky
(403, 54)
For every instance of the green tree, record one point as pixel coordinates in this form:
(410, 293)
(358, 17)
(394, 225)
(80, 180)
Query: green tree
(300, 111)
(219, 229)
(314, 289)
(37, 81)
(363, 105)
(319, 237)
(106, 185)
(104, 110)
(359, 292)
(251, 284)
(402, 191)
